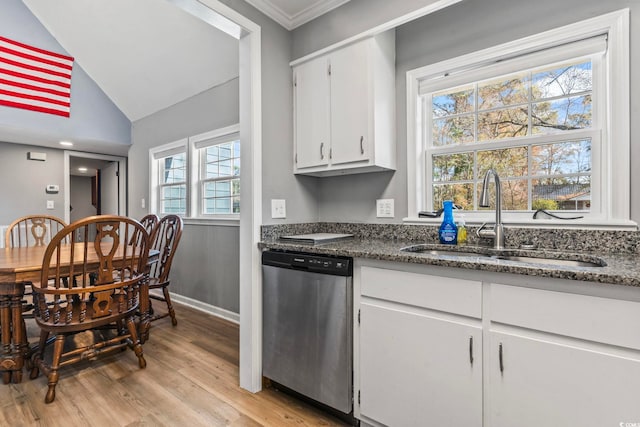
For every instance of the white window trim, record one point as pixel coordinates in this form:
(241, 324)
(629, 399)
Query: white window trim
(616, 203)
(196, 188)
(189, 145)
(154, 183)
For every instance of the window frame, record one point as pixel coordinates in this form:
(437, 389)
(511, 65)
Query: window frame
(156, 156)
(613, 177)
(194, 200)
(197, 145)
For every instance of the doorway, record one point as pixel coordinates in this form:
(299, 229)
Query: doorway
(94, 184)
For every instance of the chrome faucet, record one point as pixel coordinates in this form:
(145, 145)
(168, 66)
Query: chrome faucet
(497, 234)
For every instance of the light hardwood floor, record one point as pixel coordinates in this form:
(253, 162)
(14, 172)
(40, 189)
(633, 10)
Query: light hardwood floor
(191, 379)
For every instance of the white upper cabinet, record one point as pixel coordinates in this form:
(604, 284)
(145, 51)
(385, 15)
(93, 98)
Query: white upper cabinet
(344, 109)
(312, 113)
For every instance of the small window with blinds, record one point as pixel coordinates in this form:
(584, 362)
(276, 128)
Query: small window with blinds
(219, 177)
(170, 176)
(198, 176)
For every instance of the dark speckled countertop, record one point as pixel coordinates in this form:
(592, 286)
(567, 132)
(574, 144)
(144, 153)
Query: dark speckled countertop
(620, 268)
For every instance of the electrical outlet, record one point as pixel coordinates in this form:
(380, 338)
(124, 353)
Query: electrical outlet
(278, 208)
(50, 204)
(384, 208)
(143, 203)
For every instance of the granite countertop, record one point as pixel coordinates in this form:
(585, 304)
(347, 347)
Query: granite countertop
(619, 269)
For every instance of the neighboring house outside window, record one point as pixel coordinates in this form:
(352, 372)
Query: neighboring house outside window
(199, 176)
(544, 112)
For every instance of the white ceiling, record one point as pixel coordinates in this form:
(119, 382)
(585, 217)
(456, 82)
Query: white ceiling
(146, 55)
(293, 13)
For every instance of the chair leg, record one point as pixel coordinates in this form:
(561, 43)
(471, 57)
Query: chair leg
(38, 354)
(55, 365)
(172, 312)
(137, 347)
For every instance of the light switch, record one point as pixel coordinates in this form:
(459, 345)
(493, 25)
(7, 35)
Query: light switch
(384, 208)
(50, 204)
(278, 208)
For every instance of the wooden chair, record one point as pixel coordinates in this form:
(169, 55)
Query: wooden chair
(165, 238)
(149, 222)
(65, 308)
(13, 336)
(32, 230)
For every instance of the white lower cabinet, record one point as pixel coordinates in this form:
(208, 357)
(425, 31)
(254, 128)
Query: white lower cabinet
(418, 370)
(436, 347)
(561, 359)
(418, 365)
(547, 383)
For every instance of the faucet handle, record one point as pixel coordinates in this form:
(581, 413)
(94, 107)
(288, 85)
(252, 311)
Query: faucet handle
(485, 234)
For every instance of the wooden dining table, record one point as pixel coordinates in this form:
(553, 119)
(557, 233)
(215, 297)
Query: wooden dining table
(25, 264)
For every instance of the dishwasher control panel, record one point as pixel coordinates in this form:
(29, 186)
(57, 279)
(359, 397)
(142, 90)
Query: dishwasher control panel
(337, 266)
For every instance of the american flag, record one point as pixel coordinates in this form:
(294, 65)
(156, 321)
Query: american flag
(35, 79)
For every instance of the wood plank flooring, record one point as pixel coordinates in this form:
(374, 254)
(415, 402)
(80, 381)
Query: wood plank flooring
(191, 379)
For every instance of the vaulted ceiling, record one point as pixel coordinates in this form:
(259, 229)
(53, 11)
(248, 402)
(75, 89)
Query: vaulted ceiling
(147, 55)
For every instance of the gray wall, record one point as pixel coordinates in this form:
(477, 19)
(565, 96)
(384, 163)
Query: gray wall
(94, 119)
(212, 109)
(278, 181)
(24, 181)
(462, 28)
(206, 265)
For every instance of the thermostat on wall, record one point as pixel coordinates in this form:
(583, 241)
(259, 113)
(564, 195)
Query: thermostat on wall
(52, 188)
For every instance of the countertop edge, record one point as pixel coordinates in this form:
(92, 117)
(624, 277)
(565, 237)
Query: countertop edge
(620, 269)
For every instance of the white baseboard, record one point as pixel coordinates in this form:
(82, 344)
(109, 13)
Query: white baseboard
(207, 308)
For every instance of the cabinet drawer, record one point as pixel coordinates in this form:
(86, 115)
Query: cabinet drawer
(604, 320)
(457, 296)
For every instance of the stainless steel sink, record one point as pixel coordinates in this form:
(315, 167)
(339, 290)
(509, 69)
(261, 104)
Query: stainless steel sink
(429, 249)
(551, 261)
(563, 260)
(451, 253)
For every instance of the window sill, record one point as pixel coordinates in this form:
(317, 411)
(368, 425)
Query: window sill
(584, 223)
(224, 222)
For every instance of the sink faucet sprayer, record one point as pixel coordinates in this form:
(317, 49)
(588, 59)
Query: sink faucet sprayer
(497, 234)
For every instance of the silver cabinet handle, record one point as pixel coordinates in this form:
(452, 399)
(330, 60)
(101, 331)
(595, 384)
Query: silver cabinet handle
(322, 151)
(500, 358)
(361, 145)
(471, 350)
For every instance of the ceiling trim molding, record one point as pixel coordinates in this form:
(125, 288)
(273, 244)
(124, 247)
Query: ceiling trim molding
(292, 21)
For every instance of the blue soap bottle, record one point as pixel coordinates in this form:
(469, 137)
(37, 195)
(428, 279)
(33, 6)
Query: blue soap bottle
(448, 230)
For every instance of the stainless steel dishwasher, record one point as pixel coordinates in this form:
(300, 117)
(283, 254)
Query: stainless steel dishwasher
(308, 324)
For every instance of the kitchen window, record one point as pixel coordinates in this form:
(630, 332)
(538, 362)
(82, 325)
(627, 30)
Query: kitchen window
(199, 176)
(545, 112)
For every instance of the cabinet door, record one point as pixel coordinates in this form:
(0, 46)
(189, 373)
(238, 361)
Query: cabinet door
(351, 103)
(545, 383)
(312, 113)
(417, 370)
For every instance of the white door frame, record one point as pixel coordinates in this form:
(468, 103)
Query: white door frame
(249, 37)
(122, 179)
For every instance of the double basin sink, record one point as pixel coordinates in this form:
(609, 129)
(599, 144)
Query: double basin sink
(526, 257)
